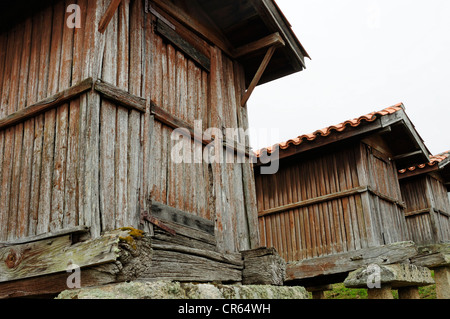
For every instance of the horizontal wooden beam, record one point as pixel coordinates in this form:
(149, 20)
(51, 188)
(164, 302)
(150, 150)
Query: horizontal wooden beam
(432, 256)
(418, 212)
(121, 97)
(108, 15)
(402, 156)
(330, 197)
(69, 231)
(176, 123)
(55, 255)
(46, 104)
(387, 198)
(350, 261)
(171, 214)
(271, 40)
(314, 201)
(206, 32)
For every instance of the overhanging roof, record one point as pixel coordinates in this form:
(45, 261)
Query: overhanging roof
(437, 163)
(245, 21)
(397, 131)
(240, 22)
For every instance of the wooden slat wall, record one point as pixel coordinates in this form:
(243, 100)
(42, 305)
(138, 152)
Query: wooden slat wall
(339, 225)
(320, 229)
(383, 180)
(426, 197)
(38, 169)
(187, 91)
(95, 163)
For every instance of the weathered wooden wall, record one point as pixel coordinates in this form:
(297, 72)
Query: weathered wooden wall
(428, 209)
(96, 163)
(41, 159)
(344, 200)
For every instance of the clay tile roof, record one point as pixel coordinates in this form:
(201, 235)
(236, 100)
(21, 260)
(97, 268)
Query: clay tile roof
(371, 117)
(434, 160)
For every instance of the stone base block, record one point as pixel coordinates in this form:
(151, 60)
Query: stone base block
(177, 290)
(395, 276)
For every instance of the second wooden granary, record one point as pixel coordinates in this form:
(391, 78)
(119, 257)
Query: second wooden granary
(425, 189)
(337, 192)
(91, 91)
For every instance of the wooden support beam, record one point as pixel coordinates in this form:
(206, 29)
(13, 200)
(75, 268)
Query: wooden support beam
(170, 214)
(108, 15)
(419, 212)
(263, 266)
(206, 32)
(176, 123)
(119, 96)
(432, 256)
(258, 75)
(350, 261)
(314, 201)
(402, 156)
(46, 104)
(70, 231)
(173, 37)
(55, 255)
(271, 40)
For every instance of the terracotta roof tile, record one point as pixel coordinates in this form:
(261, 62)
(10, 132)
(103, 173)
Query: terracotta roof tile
(434, 160)
(371, 117)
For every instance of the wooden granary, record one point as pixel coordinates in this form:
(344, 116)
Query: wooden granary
(336, 199)
(425, 189)
(91, 92)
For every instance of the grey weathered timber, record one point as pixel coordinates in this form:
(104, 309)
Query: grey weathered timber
(55, 255)
(46, 104)
(263, 266)
(119, 96)
(432, 256)
(177, 216)
(69, 231)
(345, 262)
(172, 36)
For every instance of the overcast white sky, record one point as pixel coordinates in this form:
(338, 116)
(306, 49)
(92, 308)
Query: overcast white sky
(366, 55)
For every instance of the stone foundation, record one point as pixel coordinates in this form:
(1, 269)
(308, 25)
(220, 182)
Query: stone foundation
(177, 290)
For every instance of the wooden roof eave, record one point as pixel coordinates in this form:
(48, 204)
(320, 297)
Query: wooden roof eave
(274, 19)
(419, 152)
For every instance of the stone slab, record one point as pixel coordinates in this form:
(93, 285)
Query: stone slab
(177, 290)
(396, 276)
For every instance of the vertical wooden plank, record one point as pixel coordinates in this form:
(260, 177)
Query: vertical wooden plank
(247, 169)
(139, 140)
(3, 66)
(224, 231)
(125, 143)
(363, 179)
(40, 53)
(17, 131)
(72, 196)
(27, 153)
(45, 204)
(108, 112)
(8, 141)
(90, 213)
(62, 125)
(27, 204)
